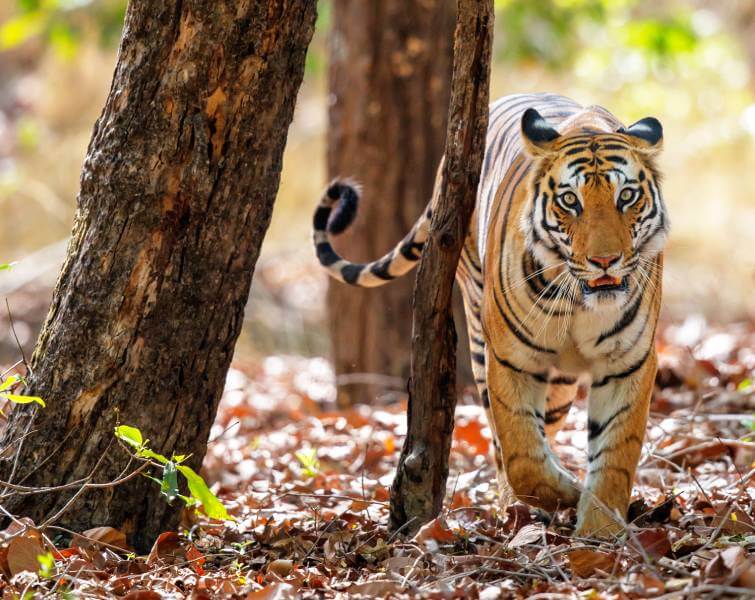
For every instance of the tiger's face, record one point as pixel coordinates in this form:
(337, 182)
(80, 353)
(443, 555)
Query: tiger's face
(595, 207)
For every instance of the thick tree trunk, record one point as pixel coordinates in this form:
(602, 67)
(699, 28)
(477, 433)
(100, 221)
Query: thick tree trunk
(420, 484)
(176, 195)
(390, 65)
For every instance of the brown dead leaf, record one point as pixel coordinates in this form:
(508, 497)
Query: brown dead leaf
(734, 522)
(529, 534)
(108, 536)
(275, 591)
(280, 567)
(142, 595)
(517, 516)
(196, 558)
(653, 542)
(646, 584)
(585, 562)
(23, 524)
(166, 546)
(22, 554)
(435, 530)
(379, 588)
(730, 566)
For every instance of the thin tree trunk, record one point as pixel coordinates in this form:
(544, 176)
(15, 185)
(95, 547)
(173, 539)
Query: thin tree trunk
(176, 195)
(390, 65)
(420, 483)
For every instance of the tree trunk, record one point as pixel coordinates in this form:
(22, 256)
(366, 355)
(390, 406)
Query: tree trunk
(420, 483)
(390, 65)
(176, 195)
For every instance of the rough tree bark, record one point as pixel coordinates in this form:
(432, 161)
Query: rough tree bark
(176, 195)
(390, 66)
(419, 487)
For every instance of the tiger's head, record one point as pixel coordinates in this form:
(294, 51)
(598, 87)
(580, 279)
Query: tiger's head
(595, 208)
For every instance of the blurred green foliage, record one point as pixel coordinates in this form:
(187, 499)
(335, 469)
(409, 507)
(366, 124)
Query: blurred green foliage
(554, 32)
(62, 23)
(548, 32)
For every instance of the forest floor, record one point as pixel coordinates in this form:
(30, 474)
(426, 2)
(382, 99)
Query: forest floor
(308, 486)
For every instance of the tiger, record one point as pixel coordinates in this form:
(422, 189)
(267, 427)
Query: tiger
(561, 275)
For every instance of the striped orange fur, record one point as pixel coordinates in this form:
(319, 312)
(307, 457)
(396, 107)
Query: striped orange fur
(561, 278)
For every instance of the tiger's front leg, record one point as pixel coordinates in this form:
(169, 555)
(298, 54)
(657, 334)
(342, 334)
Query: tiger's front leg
(617, 419)
(518, 403)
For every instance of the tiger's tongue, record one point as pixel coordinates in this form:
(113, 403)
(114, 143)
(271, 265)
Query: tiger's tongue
(603, 281)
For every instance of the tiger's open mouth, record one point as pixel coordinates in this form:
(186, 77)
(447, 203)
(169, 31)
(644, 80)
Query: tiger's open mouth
(605, 283)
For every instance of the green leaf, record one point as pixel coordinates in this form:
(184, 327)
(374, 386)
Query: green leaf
(9, 382)
(169, 484)
(131, 435)
(19, 399)
(7, 266)
(46, 564)
(309, 462)
(212, 507)
(147, 453)
(17, 30)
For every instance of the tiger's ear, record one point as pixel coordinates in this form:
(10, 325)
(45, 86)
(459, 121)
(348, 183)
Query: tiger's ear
(537, 134)
(646, 135)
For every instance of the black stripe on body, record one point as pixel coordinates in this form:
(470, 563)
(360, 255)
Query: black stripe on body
(626, 320)
(554, 415)
(619, 445)
(595, 429)
(562, 380)
(624, 374)
(504, 363)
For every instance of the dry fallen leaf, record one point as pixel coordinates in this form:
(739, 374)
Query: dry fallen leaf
(585, 562)
(275, 591)
(106, 535)
(529, 534)
(22, 554)
(435, 530)
(280, 567)
(166, 546)
(653, 542)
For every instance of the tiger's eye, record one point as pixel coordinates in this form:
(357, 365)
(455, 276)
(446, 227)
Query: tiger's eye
(569, 198)
(626, 194)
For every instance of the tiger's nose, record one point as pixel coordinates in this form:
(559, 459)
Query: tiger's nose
(604, 261)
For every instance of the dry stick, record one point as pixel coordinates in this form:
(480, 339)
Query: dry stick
(13, 329)
(43, 462)
(325, 497)
(725, 443)
(419, 486)
(742, 480)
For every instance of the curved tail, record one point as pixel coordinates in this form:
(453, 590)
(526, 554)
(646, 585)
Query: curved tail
(399, 261)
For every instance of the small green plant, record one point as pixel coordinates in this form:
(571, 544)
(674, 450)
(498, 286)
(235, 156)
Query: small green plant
(6, 387)
(199, 492)
(308, 459)
(11, 382)
(46, 565)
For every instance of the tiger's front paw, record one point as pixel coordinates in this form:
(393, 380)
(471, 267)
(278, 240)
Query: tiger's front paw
(595, 519)
(548, 488)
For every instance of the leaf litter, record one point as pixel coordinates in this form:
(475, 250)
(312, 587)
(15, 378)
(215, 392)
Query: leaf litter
(308, 486)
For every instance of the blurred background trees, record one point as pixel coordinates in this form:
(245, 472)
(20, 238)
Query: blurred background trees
(691, 63)
(389, 85)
